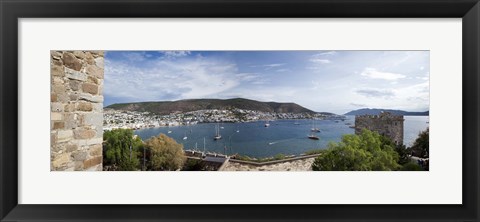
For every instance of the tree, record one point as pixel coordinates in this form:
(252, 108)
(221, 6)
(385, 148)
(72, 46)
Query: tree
(411, 166)
(403, 154)
(367, 151)
(420, 147)
(121, 149)
(165, 153)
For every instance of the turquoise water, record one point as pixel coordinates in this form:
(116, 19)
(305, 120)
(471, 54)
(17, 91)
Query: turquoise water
(282, 136)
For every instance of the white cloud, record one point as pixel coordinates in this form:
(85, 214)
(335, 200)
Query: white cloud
(268, 66)
(134, 56)
(169, 80)
(321, 61)
(175, 54)
(379, 93)
(324, 54)
(375, 74)
(359, 104)
(320, 58)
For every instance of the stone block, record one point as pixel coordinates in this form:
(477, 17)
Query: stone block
(71, 61)
(59, 88)
(56, 116)
(97, 107)
(56, 54)
(59, 125)
(89, 58)
(99, 62)
(60, 160)
(74, 96)
(92, 162)
(84, 106)
(90, 88)
(95, 150)
(89, 97)
(57, 149)
(72, 74)
(79, 54)
(99, 130)
(84, 133)
(95, 71)
(75, 84)
(78, 166)
(53, 138)
(62, 97)
(79, 156)
(57, 62)
(64, 135)
(92, 79)
(69, 107)
(93, 119)
(53, 97)
(57, 80)
(71, 147)
(97, 53)
(71, 121)
(88, 142)
(56, 107)
(57, 70)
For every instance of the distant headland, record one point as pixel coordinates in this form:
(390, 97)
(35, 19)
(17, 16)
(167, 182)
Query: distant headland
(368, 111)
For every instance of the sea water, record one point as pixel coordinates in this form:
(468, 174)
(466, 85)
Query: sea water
(289, 137)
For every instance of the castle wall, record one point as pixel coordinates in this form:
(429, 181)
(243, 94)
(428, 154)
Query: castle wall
(384, 124)
(76, 118)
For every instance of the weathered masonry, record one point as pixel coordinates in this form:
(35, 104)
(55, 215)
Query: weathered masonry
(76, 117)
(385, 124)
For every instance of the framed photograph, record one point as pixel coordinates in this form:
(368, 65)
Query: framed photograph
(311, 110)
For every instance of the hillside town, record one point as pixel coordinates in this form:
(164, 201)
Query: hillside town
(114, 119)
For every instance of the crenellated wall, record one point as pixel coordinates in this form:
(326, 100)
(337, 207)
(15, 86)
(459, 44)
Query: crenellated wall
(385, 124)
(76, 118)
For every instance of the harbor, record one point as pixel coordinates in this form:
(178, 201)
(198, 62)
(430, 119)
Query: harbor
(253, 139)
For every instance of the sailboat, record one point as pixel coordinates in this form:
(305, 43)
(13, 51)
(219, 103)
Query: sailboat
(238, 130)
(217, 133)
(314, 129)
(313, 137)
(185, 137)
(267, 124)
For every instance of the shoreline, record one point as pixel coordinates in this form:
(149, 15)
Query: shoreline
(198, 123)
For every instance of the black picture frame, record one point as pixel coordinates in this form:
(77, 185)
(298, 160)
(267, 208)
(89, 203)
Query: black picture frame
(12, 10)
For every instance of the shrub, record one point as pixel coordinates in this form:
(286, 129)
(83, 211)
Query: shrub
(367, 151)
(165, 153)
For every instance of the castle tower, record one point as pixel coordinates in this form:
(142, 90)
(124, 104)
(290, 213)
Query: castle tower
(385, 124)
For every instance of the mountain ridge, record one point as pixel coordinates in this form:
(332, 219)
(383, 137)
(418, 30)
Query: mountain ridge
(374, 111)
(187, 105)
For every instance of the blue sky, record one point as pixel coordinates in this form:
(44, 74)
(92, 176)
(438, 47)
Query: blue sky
(324, 81)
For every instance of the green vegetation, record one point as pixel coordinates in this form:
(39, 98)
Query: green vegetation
(165, 153)
(411, 166)
(420, 147)
(193, 165)
(316, 151)
(367, 151)
(121, 150)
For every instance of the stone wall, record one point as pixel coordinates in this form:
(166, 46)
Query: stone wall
(76, 118)
(385, 124)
